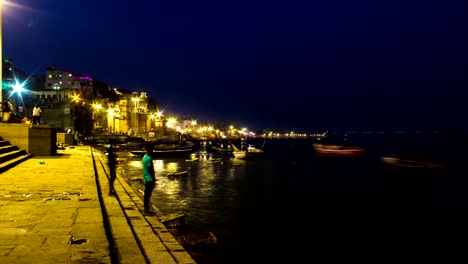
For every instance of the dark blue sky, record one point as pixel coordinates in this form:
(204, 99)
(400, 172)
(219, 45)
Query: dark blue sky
(264, 64)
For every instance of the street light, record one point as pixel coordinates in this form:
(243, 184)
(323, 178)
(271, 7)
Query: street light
(1, 53)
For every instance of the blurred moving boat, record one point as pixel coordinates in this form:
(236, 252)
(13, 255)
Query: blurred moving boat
(410, 163)
(337, 150)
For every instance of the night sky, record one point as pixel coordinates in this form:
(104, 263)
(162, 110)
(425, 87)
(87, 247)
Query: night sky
(295, 65)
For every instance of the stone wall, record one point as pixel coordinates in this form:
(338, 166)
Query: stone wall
(39, 140)
(65, 138)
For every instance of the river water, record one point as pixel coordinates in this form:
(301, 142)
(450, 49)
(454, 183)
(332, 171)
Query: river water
(292, 206)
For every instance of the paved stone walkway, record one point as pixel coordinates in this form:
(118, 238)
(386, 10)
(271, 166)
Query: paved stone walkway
(52, 211)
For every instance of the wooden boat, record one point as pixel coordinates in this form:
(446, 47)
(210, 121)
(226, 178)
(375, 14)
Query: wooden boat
(177, 174)
(164, 153)
(169, 149)
(215, 148)
(132, 145)
(337, 150)
(251, 152)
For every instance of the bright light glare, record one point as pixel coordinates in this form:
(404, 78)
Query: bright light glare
(6, 4)
(17, 87)
(76, 98)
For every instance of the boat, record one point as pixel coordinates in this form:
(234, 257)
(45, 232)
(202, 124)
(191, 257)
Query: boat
(410, 163)
(223, 146)
(183, 149)
(337, 150)
(177, 174)
(129, 145)
(160, 153)
(251, 152)
(219, 149)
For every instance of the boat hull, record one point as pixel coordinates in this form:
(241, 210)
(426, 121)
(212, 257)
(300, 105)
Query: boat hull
(247, 154)
(165, 153)
(336, 150)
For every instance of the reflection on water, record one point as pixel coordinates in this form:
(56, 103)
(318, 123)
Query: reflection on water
(292, 205)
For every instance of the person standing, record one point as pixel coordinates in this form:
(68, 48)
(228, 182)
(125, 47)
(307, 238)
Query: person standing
(149, 178)
(36, 115)
(112, 164)
(7, 109)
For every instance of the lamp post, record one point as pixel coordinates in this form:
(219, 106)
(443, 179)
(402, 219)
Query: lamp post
(1, 53)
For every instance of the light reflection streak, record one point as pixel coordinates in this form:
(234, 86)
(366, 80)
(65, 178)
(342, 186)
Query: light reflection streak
(206, 175)
(158, 165)
(172, 167)
(135, 163)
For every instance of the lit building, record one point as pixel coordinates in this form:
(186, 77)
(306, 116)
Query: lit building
(64, 83)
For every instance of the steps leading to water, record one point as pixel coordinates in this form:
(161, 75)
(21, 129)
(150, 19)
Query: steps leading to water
(11, 155)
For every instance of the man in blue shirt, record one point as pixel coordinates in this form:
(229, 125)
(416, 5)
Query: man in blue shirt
(148, 177)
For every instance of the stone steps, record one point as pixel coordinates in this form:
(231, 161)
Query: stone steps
(11, 155)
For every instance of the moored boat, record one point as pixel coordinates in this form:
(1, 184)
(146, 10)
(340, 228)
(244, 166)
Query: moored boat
(161, 153)
(180, 149)
(250, 152)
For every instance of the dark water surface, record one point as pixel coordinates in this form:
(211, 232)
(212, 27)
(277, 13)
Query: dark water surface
(292, 206)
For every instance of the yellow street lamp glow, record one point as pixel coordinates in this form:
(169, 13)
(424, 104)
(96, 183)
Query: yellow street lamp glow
(171, 122)
(76, 98)
(96, 106)
(159, 114)
(111, 112)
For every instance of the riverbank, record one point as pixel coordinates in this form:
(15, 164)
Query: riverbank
(58, 208)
